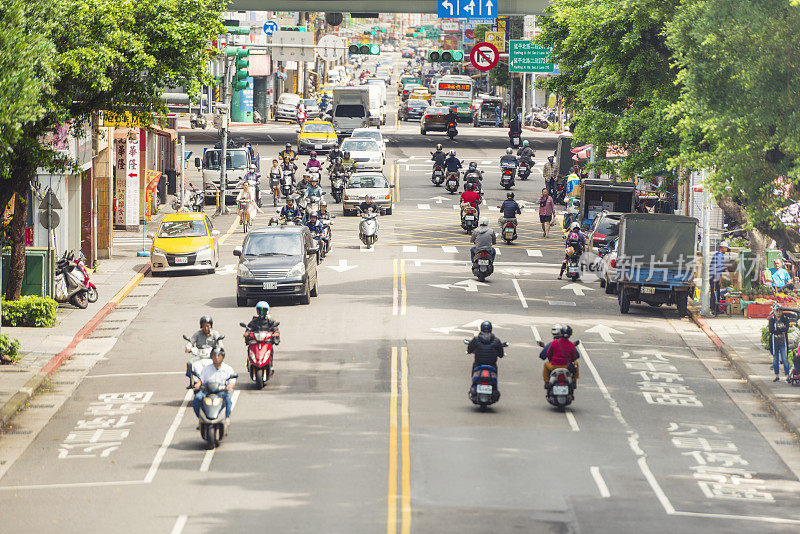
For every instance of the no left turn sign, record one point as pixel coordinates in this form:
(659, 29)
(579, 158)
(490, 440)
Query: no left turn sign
(484, 56)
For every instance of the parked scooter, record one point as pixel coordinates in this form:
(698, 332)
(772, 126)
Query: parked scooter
(368, 228)
(482, 265)
(484, 391)
(80, 263)
(452, 182)
(259, 356)
(197, 121)
(560, 389)
(437, 177)
(69, 283)
(201, 356)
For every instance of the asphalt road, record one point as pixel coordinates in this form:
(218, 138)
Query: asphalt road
(366, 426)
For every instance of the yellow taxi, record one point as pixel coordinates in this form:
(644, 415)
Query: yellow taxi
(316, 135)
(185, 241)
(420, 93)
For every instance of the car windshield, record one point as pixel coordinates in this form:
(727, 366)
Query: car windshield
(359, 145)
(289, 98)
(437, 111)
(607, 226)
(236, 159)
(318, 128)
(310, 103)
(418, 104)
(349, 111)
(411, 86)
(182, 229)
(273, 245)
(367, 181)
(368, 134)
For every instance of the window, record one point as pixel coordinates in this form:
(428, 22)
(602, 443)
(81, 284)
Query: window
(289, 98)
(351, 111)
(607, 226)
(237, 159)
(367, 181)
(359, 145)
(273, 245)
(182, 229)
(318, 128)
(368, 134)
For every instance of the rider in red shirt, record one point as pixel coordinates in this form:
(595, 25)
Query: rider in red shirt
(470, 197)
(560, 353)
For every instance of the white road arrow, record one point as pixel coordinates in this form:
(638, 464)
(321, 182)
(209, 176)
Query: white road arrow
(470, 286)
(577, 288)
(604, 331)
(342, 267)
(227, 269)
(447, 329)
(439, 200)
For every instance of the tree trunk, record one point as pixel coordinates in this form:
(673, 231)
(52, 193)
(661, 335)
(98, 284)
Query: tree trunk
(16, 267)
(758, 241)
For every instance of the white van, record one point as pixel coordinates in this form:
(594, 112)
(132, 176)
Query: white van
(350, 109)
(380, 83)
(377, 113)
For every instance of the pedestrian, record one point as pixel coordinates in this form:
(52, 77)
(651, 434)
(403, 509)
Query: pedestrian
(547, 211)
(498, 115)
(779, 342)
(715, 273)
(549, 173)
(781, 280)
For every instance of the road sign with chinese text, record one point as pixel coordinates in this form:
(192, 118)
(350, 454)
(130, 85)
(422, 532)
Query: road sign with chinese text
(525, 56)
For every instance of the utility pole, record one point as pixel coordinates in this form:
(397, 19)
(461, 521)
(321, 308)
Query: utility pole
(705, 304)
(222, 209)
(183, 168)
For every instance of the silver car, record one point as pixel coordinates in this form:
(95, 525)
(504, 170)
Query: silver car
(286, 109)
(362, 184)
(366, 152)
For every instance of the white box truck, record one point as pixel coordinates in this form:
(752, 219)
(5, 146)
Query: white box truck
(350, 109)
(377, 111)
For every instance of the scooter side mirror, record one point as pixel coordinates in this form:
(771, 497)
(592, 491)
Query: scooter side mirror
(466, 342)
(540, 343)
(234, 375)
(243, 325)
(215, 232)
(237, 251)
(187, 339)
(577, 342)
(220, 338)
(505, 344)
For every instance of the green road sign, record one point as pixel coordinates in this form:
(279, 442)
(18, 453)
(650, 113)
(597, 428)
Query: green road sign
(525, 56)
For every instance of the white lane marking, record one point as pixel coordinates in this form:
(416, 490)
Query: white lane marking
(423, 206)
(536, 335)
(74, 485)
(179, 524)
(601, 484)
(206, 463)
(573, 423)
(137, 374)
(271, 140)
(519, 293)
(409, 248)
(487, 162)
(402, 160)
(365, 248)
(449, 250)
(168, 438)
(534, 253)
(560, 303)
(497, 252)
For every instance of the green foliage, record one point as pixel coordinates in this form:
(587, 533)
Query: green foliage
(9, 349)
(30, 310)
(480, 32)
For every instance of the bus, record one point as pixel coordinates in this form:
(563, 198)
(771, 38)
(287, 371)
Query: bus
(456, 90)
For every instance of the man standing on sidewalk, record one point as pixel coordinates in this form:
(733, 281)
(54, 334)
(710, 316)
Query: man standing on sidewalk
(778, 341)
(549, 175)
(715, 272)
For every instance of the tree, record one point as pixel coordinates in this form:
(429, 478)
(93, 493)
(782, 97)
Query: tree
(114, 55)
(617, 77)
(739, 64)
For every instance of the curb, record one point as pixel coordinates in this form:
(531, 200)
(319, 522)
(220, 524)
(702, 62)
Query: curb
(789, 419)
(31, 387)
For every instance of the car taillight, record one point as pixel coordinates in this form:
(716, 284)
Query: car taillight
(614, 264)
(409, 108)
(485, 374)
(346, 197)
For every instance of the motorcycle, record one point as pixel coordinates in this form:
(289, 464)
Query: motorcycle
(197, 121)
(524, 170)
(213, 427)
(484, 391)
(201, 356)
(287, 183)
(80, 263)
(452, 182)
(482, 265)
(326, 237)
(197, 201)
(573, 265)
(561, 191)
(368, 228)
(509, 231)
(274, 186)
(514, 139)
(438, 175)
(69, 283)
(469, 219)
(560, 389)
(507, 178)
(452, 131)
(259, 356)
(337, 186)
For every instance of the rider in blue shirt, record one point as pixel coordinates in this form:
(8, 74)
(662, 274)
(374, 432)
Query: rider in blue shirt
(452, 163)
(290, 210)
(313, 224)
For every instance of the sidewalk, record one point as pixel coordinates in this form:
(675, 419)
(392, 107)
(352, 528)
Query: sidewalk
(45, 349)
(739, 340)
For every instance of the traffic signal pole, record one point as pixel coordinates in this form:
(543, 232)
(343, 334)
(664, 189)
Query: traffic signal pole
(222, 208)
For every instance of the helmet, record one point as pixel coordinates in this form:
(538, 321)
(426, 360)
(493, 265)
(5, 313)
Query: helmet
(322, 203)
(438, 146)
(288, 145)
(551, 156)
(313, 214)
(368, 197)
(346, 153)
(469, 186)
(206, 319)
(724, 244)
(306, 175)
(251, 167)
(289, 200)
(484, 221)
(556, 331)
(575, 226)
(509, 151)
(262, 309)
(314, 179)
(566, 331)
(510, 195)
(218, 350)
(473, 165)
(452, 152)
(486, 327)
(524, 143)
(314, 153)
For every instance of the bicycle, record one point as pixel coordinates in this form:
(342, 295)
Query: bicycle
(244, 215)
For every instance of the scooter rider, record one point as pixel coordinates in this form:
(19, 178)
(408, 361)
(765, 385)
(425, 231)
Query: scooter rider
(486, 347)
(368, 205)
(313, 224)
(349, 162)
(255, 184)
(217, 372)
(290, 211)
(484, 239)
(275, 178)
(560, 353)
(313, 163)
(313, 189)
(510, 209)
(525, 153)
(438, 157)
(206, 337)
(262, 322)
(452, 163)
(509, 159)
(514, 128)
(577, 241)
(323, 214)
(335, 154)
(289, 165)
(470, 198)
(287, 152)
(452, 116)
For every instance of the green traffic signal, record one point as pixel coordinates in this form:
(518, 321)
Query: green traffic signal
(242, 64)
(237, 30)
(458, 55)
(375, 49)
(364, 49)
(241, 85)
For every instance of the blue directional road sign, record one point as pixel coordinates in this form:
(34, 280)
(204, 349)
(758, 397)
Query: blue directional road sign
(270, 27)
(467, 9)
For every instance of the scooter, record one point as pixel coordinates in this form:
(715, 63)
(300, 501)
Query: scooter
(368, 228)
(437, 177)
(482, 265)
(452, 182)
(573, 265)
(197, 121)
(560, 389)
(484, 391)
(514, 139)
(287, 183)
(259, 356)
(213, 427)
(469, 219)
(201, 356)
(524, 170)
(69, 283)
(452, 131)
(80, 263)
(507, 178)
(327, 236)
(794, 372)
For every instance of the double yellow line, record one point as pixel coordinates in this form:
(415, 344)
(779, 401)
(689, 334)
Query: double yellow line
(399, 287)
(405, 448)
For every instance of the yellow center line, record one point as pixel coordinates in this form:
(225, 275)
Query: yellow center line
(394, 287)
(391, 182)
(391, 507)
(402, 287)
(405, 446)
(233, 227)
(397, 181)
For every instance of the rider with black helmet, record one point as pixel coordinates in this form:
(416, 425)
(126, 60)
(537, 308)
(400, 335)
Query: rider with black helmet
(509, 209)
(560, 353)
(205, 338)
(439, 156)
(287, 152)
(486, 347)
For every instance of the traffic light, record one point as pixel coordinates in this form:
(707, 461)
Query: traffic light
(293, 28)
(364, 49)
(445, 56)
(237, 30)
(242, 74)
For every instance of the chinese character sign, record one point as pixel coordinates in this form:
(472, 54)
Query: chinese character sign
(127, 181)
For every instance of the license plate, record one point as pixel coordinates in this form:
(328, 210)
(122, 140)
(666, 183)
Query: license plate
(318, 147)
(469, 218)
(181, 260)
(572, 270)
(484, 389)
(560, 390)
(648, 290)
(483, 262)
(270, 285)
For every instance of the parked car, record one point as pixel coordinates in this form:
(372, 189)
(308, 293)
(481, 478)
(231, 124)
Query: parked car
(603, 230)
(371, 133)
(413, 109)
(362, 184)
(185, 242)
(312, 108)
(434, 119)
(286, 108)
(366, 152)
(278, 261)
